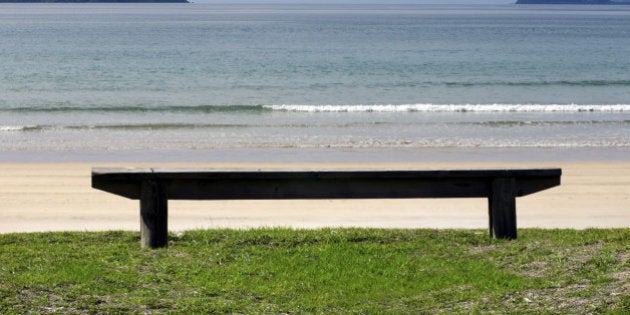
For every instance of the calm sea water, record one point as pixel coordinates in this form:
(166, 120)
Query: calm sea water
(183, 82)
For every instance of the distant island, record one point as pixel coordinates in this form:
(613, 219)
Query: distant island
(605, 2)
(94, 1)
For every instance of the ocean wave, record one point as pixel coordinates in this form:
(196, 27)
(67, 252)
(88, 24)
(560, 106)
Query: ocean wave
(424, 107)
(140, 108)
(289, 126)
(544, 83)
(157, 126)
(518, 123)
(445, 144)
(462, 108)
(21, 128)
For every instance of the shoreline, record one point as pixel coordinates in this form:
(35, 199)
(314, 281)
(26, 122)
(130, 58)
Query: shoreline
(58, 197)
(327, 155)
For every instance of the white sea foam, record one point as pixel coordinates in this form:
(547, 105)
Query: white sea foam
(14, 128)
(455, 108)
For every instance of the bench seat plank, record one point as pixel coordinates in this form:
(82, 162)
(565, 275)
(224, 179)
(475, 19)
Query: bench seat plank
(261, 184)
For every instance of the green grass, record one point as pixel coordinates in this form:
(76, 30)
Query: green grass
(343, 271)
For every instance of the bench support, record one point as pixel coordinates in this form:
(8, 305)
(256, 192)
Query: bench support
(502, 208)
(153, 215)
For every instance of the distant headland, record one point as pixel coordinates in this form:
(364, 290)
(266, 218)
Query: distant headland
(94, 1)
(605, 2)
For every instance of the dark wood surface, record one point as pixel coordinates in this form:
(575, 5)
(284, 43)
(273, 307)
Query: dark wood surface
(299, 184)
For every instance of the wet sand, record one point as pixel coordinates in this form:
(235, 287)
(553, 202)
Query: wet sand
(58, 197)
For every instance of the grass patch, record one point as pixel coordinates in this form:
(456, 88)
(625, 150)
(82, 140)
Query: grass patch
(317, 271)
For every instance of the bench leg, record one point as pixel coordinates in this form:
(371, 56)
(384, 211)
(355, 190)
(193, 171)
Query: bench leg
(502, 208)
(153, 215)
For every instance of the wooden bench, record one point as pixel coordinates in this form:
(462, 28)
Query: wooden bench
(153, 187)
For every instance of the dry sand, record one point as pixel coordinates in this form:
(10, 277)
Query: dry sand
(56, 197)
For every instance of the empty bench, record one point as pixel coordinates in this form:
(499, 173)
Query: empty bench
(154, 187)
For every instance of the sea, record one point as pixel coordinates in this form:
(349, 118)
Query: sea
(207, 82)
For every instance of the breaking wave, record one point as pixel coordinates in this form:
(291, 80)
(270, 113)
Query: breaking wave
(456, 108)
(20, 128)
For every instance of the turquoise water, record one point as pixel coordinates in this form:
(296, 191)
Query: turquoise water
(313, 82)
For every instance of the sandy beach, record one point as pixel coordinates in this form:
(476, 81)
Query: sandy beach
(58, 197)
